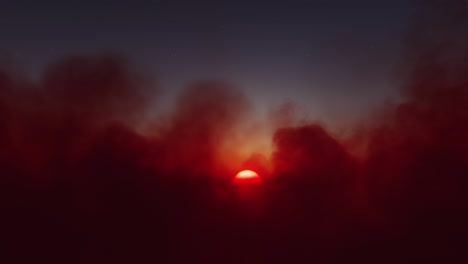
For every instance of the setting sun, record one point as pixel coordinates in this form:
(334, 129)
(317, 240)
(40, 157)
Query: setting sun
(247, 176)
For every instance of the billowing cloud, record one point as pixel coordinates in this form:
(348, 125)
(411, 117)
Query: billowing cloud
(80, 184)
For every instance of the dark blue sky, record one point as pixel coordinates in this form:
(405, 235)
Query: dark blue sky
(336, 59)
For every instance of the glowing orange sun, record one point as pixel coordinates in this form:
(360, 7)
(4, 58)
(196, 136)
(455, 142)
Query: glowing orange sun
(247, 176)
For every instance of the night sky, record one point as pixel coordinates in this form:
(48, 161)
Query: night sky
(335, 59)
(233, 132)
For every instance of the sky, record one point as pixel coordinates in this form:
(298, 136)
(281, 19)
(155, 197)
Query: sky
(335, 60)
(81, 182)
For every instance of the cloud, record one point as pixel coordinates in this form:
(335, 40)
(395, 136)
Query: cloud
(80, 184)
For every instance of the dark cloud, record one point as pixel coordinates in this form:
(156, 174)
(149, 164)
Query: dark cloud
(79, 184)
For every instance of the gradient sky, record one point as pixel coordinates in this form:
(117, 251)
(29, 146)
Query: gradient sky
(335, 59)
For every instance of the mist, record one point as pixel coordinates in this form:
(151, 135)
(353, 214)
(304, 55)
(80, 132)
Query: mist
(81, 182)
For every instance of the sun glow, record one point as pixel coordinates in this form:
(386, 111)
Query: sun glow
(247, 176)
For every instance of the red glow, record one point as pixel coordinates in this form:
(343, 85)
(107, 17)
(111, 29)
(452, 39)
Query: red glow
(247, 176)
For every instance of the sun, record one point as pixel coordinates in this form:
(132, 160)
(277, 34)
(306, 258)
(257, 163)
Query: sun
(247, 176)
